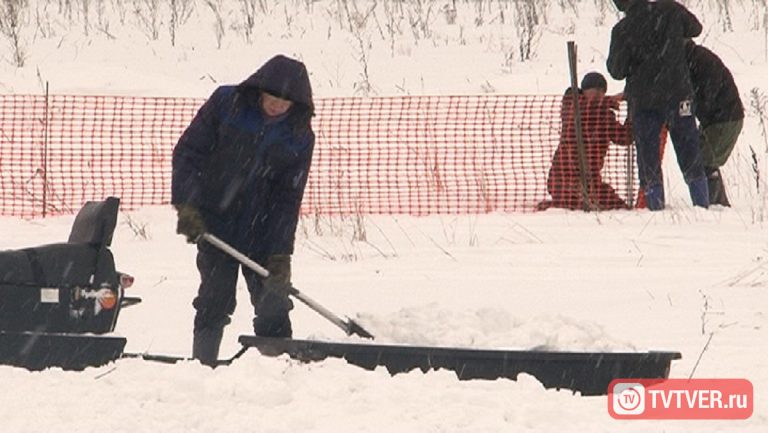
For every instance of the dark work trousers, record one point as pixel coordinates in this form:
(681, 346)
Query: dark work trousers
(216, 296)
(647, 126)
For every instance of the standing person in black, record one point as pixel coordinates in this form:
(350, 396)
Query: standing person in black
(720, 113)
(239, 173)
(648, 50)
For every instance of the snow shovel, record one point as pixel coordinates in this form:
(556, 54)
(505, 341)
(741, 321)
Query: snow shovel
(349, 326)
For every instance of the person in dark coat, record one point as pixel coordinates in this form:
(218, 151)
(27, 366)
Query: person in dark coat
(720, 113)
(239, 173)
(599, 129)
(648, 50)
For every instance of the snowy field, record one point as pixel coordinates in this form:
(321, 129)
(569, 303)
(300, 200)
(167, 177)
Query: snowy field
(687, 280)
(562, 280)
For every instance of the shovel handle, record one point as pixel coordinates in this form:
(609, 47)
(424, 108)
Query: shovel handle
(242, 258)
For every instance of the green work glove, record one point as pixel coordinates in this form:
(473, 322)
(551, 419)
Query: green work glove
(190, 222)
(279, 267)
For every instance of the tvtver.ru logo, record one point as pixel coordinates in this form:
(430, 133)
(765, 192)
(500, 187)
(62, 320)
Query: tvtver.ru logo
(680, 399)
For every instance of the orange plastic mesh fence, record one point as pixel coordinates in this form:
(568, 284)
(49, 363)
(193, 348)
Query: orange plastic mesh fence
(415, 155)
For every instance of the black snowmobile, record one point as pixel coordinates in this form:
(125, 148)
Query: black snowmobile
(57, 300)
(59, 303)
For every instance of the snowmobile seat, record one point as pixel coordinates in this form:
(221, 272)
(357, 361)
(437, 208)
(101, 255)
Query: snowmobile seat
(95, 223)
(70, 263)
(49, 265)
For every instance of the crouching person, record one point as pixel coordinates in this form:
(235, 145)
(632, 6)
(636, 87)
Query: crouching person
(720, 113)
(599, 128)
(239, 172)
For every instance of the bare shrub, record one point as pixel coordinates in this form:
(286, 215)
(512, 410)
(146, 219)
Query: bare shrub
(43, 25)
(218, 26)
(528, 17)
(449, 12)
(393, 19)
(13, 17)
(65, 9)
(420, 18)
(140, 229)
(181, 10)
(102, 20)
(603, 6)
(358, 23)
(724, 14)
(148, 14)
(85, 8)
(759, 104)
(755, 167)
(122, 9)
(358, 225)
(248, 10)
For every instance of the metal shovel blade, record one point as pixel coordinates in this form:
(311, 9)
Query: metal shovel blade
(349, 326)
(355, 328)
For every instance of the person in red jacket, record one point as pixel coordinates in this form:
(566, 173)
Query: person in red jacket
(599, 129)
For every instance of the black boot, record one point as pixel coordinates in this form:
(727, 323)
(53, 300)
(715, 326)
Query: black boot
(271, 314)
(205, 345)
(716, 188)
(273, 325)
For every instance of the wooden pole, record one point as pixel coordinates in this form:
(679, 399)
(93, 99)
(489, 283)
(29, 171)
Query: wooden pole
(582, 152)
(631, 174)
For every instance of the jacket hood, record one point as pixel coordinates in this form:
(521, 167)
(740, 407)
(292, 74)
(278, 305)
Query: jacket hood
(283, 77)
(624, 5)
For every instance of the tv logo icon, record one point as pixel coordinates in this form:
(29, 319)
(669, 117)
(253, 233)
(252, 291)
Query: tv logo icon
(628, 398)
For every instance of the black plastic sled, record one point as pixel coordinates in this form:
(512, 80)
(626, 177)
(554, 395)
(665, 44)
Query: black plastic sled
(588, 373)
(54, 298)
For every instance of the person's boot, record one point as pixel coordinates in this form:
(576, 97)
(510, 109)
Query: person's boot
(205, 345)
(716, 188)
(699, 192)
(271, 314)
(276, 325)
(654, 197)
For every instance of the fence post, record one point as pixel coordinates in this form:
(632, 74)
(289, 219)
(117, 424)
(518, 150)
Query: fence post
(581, 150)
(45, 151)
(631, 175)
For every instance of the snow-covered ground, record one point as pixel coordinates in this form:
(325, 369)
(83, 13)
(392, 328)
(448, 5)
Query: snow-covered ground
(672, 280)
(614, 281)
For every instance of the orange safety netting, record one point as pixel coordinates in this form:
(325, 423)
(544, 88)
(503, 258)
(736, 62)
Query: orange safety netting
(415, 155)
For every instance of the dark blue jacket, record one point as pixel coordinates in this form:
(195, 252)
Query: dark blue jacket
(648, 49)
(244, 171)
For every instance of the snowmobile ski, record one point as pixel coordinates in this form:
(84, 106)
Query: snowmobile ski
(37, 351)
